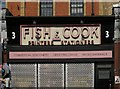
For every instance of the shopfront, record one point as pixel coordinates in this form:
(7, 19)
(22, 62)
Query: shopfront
(61, 52)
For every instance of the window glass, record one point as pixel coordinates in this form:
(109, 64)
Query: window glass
(104, 74)
(76, 7)
(46, 7)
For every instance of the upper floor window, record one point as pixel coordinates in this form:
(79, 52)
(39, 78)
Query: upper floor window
(76, 7)
(46, 7)
(3, 3)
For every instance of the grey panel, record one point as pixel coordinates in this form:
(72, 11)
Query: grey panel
(104, 66)
(23, 75)
(80, 75)
(104, 74)
(51, 75)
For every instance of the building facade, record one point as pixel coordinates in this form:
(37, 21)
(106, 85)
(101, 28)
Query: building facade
(67, 8)
(52, 8)
(61, 52)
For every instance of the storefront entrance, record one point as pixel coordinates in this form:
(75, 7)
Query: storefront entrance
(104, 78)
(39, 67)
(61, 52)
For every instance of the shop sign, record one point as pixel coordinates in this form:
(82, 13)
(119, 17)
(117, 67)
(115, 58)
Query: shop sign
(65, 35)
(60, 54)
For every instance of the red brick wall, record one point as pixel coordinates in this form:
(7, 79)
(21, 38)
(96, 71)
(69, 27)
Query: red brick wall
(117, 62)
(89, 8)
(31, 9)
(61, 8)
(116, 55)
(14, 8)
(96, 8)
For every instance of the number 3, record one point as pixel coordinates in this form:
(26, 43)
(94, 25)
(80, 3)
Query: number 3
(107, 34)
(13, 35)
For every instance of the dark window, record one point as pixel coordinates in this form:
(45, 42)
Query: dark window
(46, 7)
(76, 8)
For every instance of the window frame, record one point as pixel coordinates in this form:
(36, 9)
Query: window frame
(46, 8)
(78, 6)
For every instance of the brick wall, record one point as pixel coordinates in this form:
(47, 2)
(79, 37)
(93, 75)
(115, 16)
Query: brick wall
(117, 62)
(61, 8)
(89, 8)
(31, 9)
(14, 8)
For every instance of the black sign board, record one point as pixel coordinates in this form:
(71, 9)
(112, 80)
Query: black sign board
(105, 23)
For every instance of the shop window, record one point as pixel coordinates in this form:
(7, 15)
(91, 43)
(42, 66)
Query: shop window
(76, 8)
(80, 75)
(46, 7)
(23, 75)
(53, 75)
